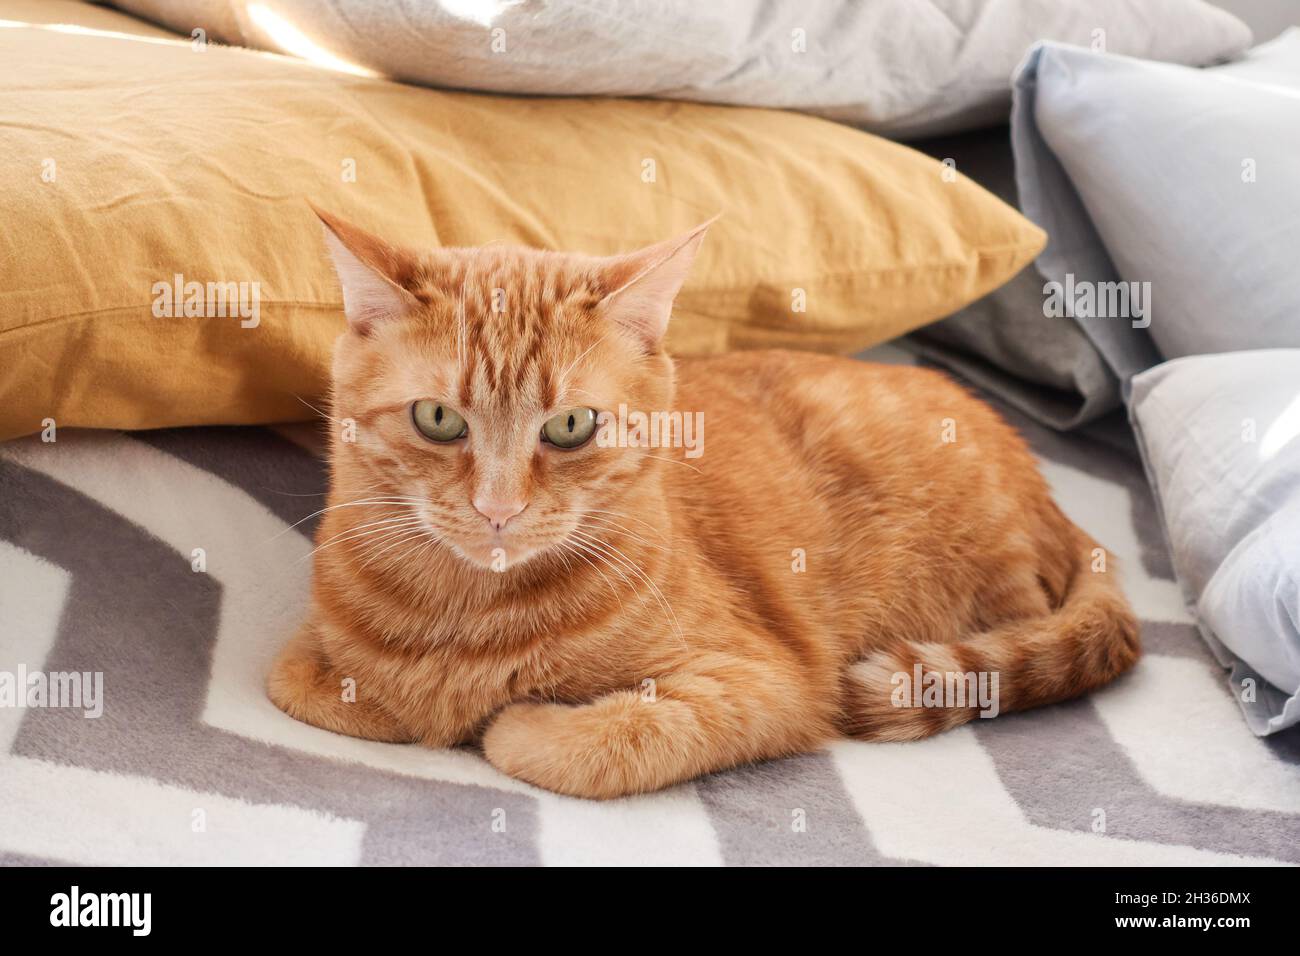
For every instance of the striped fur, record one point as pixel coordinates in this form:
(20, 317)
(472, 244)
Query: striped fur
(660, 617)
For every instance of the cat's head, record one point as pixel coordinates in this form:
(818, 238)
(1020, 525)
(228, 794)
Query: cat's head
(475, 378)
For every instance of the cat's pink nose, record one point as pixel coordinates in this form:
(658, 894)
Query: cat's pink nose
(498, 512)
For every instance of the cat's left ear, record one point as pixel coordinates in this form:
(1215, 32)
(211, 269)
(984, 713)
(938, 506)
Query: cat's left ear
(646, 282)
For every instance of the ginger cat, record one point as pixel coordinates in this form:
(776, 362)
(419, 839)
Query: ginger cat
(612, 620)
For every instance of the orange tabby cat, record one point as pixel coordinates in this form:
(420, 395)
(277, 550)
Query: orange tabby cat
(500, 563)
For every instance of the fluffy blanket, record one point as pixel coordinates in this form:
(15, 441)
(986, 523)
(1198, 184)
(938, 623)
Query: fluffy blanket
(174, 564)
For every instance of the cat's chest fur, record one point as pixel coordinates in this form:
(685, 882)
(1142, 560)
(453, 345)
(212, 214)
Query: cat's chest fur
(446, 670)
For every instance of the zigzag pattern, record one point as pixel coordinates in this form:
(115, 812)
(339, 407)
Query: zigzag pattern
(96, 535)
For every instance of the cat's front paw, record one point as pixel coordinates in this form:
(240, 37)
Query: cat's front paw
(303, 685)
(554, 746)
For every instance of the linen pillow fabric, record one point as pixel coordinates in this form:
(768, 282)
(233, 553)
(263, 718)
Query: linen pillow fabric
(1266, 18)
(1005, 342)
(831, 238)
(1220, 435)
(1185, 180)
(905, 68)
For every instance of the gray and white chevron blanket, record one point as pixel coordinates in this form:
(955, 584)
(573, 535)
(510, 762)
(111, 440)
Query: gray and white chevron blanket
(171, 564)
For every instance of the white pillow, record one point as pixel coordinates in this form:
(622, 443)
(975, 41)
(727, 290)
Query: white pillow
(1181, 178)
(1220, 435)
(901, 67)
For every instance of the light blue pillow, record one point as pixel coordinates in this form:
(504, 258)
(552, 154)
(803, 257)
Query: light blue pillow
(1186, 179)
(1220, 436)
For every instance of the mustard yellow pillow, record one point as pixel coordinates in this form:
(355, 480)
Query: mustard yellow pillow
(145, 176)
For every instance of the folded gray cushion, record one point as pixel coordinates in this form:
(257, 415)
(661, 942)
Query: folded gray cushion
(901, 67)
(1266, 18)
(1043, 365)
(1181, 183)
(1220, 436)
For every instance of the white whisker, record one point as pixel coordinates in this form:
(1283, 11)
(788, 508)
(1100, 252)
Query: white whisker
(605, 524)
(582, 550)
(356, 534)
(675, 461)
(409, 535)
(355, 503)
(636, 569)
(317, 410)
(626, 517)
(569, 368)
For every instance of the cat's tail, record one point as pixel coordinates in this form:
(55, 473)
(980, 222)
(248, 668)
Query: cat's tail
(909, 690)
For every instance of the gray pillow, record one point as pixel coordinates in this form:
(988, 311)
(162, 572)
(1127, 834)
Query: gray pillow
(1266, 18)
(1181, 183)
(1220, 436)
(1043, 365)
(902, 67)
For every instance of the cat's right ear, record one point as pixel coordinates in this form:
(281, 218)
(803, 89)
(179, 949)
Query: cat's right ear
(372, 273)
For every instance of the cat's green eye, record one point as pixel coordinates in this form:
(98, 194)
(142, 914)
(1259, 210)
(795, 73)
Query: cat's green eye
(437, 422)
(571, 428)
